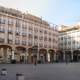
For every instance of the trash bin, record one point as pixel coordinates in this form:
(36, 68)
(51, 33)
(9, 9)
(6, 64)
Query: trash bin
(3, 72)
(3, 75)
(19, 76)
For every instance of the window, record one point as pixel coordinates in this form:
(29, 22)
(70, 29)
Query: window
(29, 43)
(23, 42)
(35, 37)
(2, 29)
(18, 24)
(17, 33)
(10, 41)
(45, 32)
(40, 45)
(61, 38)
(2, 20)
(45, 46)
(17, 41)
(45, 38)
(35, 30)
(1, 40)
(49, 39)
(10, 29)
(41, 37)
(24, 34)
(49, 33)
(10, 21)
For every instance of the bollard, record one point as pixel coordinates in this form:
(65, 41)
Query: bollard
(3, 74)
(19, 76)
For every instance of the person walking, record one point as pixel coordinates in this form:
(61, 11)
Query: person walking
(35, 60)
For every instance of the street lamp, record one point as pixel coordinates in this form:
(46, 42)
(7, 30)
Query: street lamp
(34, 51)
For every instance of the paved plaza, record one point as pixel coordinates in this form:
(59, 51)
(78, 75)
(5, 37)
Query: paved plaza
(56, 71)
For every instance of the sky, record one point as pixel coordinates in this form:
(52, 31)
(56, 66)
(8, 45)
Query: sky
(59, 12)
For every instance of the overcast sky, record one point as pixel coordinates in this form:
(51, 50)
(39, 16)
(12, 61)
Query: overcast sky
(55, 11)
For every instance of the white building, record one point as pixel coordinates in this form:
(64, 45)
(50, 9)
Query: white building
(69, 42)
(20, 32)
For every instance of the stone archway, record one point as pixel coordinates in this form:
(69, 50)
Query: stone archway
(43, 55)
(51, 53)
(20, 54)
(68, 56)
(60, 55)
(76, 56)
(5, 53)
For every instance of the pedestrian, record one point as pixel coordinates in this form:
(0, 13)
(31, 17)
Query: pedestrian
(35, 62)
(66, 61)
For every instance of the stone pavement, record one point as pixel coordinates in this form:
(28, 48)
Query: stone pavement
(55, 71)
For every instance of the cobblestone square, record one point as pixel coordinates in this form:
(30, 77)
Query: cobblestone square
(56, 71)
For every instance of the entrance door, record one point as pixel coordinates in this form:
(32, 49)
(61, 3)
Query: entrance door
(42, 59)
(51, 58)
(22, 59)
(75, 58)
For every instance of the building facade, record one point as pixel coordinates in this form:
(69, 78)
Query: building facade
(69, 42)
(24, 35)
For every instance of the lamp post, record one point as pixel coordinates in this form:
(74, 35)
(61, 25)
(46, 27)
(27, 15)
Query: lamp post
(34, 51)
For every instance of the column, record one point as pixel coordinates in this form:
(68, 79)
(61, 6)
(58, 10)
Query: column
(14, 31)
(5, 55)
(1, 53)
(21, 32)
(64, 56)
(54, 56)
(38, 55)
(71, 55)
(27, 32)
(6, 31)
(48, 57)
(33, 34)
(26, 56)
(13, 56)
(43, 38)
